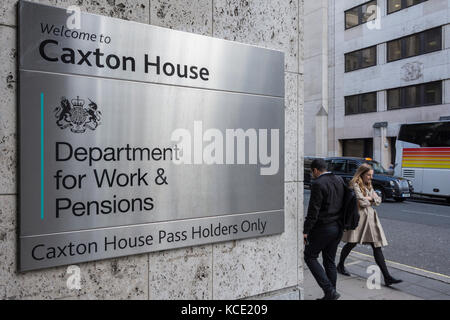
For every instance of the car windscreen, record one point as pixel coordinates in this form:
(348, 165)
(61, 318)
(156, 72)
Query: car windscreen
(377, 168)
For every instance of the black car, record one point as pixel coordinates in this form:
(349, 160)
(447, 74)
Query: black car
(387, 186)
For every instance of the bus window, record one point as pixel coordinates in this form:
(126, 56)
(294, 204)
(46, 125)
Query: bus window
(435, 134)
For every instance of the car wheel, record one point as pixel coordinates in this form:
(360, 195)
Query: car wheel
(399, 199)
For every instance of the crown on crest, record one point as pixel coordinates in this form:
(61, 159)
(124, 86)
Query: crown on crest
(77, 102)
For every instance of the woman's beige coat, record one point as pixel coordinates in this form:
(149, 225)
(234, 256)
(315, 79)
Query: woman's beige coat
(369, 229)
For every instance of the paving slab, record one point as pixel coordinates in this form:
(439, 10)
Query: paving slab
(406, 276)
(440, 297)
(422, 285)
(354, 287)
(439, 286)
(421, 292)
(395, 296)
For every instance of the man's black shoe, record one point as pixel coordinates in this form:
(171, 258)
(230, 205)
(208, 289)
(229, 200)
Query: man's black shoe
(330, 296)
(341, 269)
(391, 280)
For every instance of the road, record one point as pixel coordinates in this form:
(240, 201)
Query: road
(418, 234)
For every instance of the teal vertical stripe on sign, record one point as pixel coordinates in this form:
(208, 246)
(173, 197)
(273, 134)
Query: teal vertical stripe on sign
(42, 156)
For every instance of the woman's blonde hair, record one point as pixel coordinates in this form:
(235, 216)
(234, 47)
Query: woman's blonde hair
(357, 178)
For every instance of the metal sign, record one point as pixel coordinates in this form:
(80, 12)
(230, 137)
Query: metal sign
(135, 138)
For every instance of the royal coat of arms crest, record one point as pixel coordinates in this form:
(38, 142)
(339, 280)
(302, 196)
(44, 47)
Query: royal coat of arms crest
(76, 116)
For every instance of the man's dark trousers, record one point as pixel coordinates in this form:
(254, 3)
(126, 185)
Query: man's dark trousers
(324, 238)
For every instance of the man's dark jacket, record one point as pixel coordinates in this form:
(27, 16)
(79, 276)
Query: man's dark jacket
(325, 204)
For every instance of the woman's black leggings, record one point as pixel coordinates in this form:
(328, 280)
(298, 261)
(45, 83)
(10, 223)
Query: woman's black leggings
(377, 253)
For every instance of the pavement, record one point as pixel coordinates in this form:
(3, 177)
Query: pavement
(417, 284)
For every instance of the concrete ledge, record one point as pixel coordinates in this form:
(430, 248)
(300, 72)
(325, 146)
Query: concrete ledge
(291, 293)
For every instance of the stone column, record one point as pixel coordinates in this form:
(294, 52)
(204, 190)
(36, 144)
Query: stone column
(316, 77)
(381, 144)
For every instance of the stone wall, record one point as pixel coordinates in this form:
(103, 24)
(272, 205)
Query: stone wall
(267, 267)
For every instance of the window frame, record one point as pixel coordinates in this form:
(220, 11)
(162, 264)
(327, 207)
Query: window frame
(360, 58)
(403, 6)
(421, 94)
(360, 97)
(422, 42)
(360, 14)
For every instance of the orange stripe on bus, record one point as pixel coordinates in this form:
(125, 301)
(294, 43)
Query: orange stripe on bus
(426, 160)
(418, 160)
(427, 149)
(427, 166)
(426, 154)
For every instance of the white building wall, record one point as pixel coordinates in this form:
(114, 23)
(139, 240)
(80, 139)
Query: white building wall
(433, 66)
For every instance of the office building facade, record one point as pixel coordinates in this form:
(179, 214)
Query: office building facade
(382, 63)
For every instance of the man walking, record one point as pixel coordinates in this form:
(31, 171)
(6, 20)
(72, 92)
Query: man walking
(322, 230)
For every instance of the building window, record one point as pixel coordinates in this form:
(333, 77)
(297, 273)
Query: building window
(412, 46)
(352, 105)
(361, 103)
(361, 14)
(412, 96)
(394, 51)
(394, 5)
(424, 94)
(432, 40)
(361, 59)
(352, 18)
(415, 44)
(361, 148)
(394, 98)
(397, 5)
(432, 93)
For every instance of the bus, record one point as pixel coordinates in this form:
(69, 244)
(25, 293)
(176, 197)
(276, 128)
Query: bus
(423, 156)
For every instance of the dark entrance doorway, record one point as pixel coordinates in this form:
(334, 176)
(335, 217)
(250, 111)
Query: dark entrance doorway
(362, 148)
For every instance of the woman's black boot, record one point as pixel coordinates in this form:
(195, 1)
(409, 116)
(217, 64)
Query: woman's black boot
(341, 269)
(389, 280)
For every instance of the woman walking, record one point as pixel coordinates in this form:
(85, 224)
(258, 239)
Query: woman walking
(369, 230)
